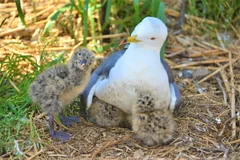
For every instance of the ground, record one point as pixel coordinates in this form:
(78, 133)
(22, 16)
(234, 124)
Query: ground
(205, 121)
(199, 135)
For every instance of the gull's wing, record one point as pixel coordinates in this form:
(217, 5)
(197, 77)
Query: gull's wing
(175, 93)
(102, 70)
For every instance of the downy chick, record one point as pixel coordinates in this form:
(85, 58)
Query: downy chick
(56, 87)
(153, 126)
(107, 115)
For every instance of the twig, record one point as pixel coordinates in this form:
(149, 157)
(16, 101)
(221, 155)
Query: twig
(214, 52)
(57, 155)
(183, 7)
(39, 116)
(170, 63)
(214, 46)
(225, 156)
(231, 86)
(178, 156)
(13, 84)
(225, 81)
(42, 11)
(234, 29)
(109, 145)
(197, 67)
(223, 90)
(33, 156)
(220, 40)
(20, 29)
(233, 109)
(233, 142)
(215, 72)
(201, 45)
(105, 36)
(177, 14)
(224, 126)
(4, 5)
(201, 62)
(175, 53)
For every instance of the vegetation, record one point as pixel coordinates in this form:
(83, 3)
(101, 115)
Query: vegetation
(16, 107)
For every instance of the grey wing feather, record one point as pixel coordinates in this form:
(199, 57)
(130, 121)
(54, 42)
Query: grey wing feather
(103, 70)
(176, 93)
(178, 96)
(169, 71)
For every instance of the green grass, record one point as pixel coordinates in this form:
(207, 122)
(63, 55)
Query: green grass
(20, 12)
(16, 107)
(221, 11)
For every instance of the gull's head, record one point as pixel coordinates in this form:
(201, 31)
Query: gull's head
(151, 32)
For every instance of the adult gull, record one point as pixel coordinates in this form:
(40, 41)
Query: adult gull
(137, 78)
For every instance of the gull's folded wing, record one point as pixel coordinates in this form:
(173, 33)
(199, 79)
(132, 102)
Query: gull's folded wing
(102, 70)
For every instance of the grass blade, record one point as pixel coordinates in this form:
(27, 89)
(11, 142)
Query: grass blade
(161, 15)
(20, 12)
(71, 21)
(108, 11)
(3, 22)
(136, 14)
(162, 52)
(107, 15)
(92, 22)
(145, 5)
(161, 12)
(85, 22)
(155, 7)
(78, 7)
(53, 18)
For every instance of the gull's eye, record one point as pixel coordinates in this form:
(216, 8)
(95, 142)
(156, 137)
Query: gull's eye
(152, 38)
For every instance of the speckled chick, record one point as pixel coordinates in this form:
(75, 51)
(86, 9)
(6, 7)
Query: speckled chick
(152, 126)
(107, 115)
(56, 87)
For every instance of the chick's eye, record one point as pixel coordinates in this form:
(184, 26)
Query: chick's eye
(79, 53)
(152, 38)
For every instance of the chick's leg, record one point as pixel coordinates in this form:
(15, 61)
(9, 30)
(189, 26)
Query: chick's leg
(64, 136)
(68, 121)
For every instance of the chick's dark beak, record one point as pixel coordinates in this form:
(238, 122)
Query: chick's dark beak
(83, 62)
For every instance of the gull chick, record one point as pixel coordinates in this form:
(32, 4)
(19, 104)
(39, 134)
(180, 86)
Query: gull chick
(152, 124)
(107, 115)
(56, 87)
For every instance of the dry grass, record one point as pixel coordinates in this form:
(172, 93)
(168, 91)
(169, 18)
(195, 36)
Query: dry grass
(207, 125)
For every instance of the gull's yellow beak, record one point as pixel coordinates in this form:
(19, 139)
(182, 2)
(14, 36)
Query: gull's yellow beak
(132, 39)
